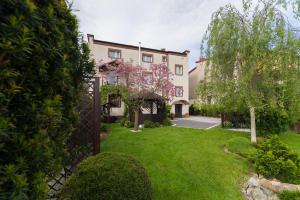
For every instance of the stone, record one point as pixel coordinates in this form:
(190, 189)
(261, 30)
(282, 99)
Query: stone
(270, 185)
(257, 194)
(274, 197)
(253, 182)
(290, 187)
(266, 191)
(276, 186)
(259, 188)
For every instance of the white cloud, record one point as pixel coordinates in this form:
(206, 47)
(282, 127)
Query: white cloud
(177, 25)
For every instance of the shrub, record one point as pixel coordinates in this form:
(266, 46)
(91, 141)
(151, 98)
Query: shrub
(44, 66)
(275, 159)
(172, 115)
(167, 122)
(157, 124)
(210, 110)
(271, 121)
(103, 127)
(195, 110)
(122, 122)
(128, 124)
(108, 176)
(149, 124)
(241, 146)
(166, 110)
(288, 195)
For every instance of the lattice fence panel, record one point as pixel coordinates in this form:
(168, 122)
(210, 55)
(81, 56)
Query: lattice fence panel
(85, 139)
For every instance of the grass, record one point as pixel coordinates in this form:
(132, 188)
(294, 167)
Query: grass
(288, 195)
(190, 163)
(292, 140)
(184, 163)
(241, 146)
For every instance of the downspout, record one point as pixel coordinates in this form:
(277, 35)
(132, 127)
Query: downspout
(139, 53)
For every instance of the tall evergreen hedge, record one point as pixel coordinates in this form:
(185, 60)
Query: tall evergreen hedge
(43, 66)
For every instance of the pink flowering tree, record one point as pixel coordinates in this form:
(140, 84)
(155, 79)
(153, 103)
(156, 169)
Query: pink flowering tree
(162, 82)
(141, 81)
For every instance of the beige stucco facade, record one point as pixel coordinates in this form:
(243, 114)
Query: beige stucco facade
(130, 53)
(196, 75)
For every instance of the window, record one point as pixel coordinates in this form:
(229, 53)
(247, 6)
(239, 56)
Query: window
(112, 79)
(178, 69)
(164, 59)
(114, 100)
(178, 91)
(148, 78)
(148, 58)
(114, 53)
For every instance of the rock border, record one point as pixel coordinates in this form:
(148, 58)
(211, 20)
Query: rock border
(259, 188)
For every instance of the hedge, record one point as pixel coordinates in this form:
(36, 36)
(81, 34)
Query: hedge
(43, 68)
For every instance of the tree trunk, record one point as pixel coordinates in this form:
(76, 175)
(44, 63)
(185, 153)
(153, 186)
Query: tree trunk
(136, 119)
(253, 126)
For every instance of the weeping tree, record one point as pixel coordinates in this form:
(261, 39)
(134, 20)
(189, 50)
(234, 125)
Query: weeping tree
(254, 58)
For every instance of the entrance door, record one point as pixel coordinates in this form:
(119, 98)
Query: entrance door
(178, 110)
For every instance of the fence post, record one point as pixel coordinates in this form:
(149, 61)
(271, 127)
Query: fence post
(222, 119)
(96, 140)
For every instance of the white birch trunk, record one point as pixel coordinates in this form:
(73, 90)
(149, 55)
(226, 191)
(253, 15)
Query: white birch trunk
(253, 126)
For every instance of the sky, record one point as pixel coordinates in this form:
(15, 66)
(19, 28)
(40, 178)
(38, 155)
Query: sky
(176, 25)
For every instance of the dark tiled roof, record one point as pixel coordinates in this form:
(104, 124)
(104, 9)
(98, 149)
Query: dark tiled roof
(184, 53)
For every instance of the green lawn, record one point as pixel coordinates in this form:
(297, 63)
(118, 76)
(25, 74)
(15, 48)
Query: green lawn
(292, 140)
(241, 146)
(184, 163)
(189, 163)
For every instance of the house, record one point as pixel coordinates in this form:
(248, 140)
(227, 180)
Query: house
(196, 75)
(176, 61)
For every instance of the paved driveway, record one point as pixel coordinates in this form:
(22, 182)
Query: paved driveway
(196, 122)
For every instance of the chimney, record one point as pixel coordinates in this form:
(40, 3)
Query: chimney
(163, 49)
(201, 60)
(90, 37)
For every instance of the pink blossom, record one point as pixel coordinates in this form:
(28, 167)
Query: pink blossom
(139, 80)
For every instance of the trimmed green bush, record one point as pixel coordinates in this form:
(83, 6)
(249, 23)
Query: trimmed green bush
(128, 124)
(241, 146)
(44, 67)
(209, 110)
(275, 160)
(108, 176)
(149, 124)
(122, 122)
(288, 195)
(157, 124)
(272, 121)
(167, 122)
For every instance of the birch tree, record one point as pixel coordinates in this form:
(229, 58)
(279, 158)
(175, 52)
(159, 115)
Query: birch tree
(254, 57)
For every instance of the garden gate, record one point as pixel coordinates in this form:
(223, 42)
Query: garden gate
(85, 139)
